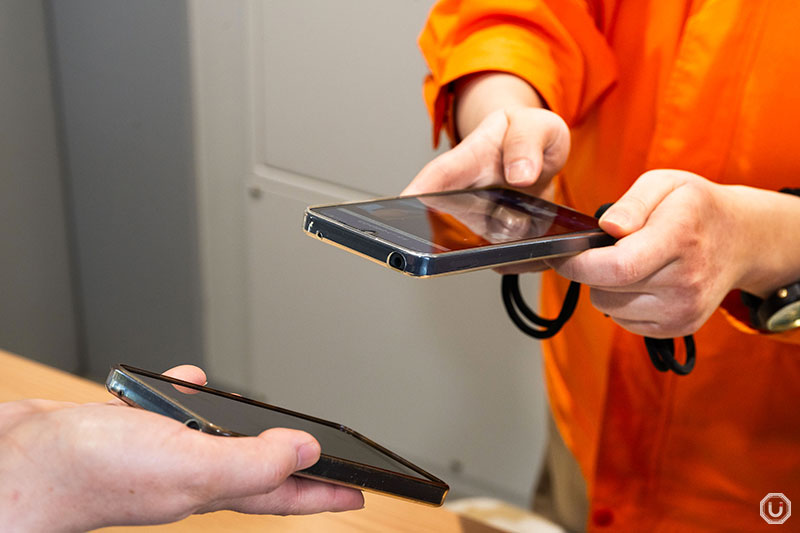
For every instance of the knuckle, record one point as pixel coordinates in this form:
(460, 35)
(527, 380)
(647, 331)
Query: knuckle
(274, 472)
(652, 176)
(693, 295)
(624, 271)
(687, 235)
(665, 328)
(289, 500)
(521, 121)
(633, 205)
(283, 458)
(685, 321)
(293, 505)
(697, 194)
(687, 311)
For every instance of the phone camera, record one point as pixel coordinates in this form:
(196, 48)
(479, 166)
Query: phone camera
(192, 423)
(396, 260)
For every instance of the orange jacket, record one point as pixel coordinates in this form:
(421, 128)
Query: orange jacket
(699, 85)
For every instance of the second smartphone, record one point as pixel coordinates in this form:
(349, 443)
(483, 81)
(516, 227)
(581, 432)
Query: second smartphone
(348, 458)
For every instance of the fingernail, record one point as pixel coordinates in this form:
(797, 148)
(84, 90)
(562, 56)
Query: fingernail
(307, 455)
(619, 219)
(520, 172)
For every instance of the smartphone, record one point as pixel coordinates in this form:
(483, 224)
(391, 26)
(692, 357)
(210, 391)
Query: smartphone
(347, 458)
(455, 231)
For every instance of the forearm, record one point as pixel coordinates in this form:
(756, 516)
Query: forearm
(767, 222)
(479, 94)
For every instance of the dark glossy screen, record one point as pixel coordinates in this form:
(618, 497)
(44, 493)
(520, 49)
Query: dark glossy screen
(249, 419)
(460, 220)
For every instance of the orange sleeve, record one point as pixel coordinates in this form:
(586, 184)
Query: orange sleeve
(555, 45)
(738, 314)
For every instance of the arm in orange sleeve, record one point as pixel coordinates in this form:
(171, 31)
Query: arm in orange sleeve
(554, 45)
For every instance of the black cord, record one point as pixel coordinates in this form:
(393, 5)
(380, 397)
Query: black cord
(515, 304)
(661, 351)
(662, 354)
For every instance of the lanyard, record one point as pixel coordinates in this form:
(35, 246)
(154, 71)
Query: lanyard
(661, 351)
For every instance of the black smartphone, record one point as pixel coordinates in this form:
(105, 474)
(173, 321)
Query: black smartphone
(348, 458)
(455, 231)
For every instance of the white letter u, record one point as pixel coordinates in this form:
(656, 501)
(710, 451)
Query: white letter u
(775, 515)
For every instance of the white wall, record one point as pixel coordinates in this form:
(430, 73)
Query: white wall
(98, 237)
(123, 85)
(37, 314)
(311, 101)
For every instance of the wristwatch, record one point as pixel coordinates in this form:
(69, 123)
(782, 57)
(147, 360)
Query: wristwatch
(778, 312)
(781, 310)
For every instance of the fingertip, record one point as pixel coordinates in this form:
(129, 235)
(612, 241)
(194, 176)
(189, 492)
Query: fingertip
(414, 190)
(348, 499)
(623, 218)
(308, 454)
(521, 172)
(616, 224)
(413, 187)
(190, 373)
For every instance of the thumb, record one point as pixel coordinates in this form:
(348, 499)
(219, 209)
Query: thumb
(535, 146)
(474, 162)
(256, 465)
(631, 211)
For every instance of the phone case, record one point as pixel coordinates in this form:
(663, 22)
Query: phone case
(354, 237)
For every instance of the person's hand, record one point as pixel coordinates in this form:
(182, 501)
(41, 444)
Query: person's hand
(520, 147)
(684, 243)
(510, 140)
(74, 467)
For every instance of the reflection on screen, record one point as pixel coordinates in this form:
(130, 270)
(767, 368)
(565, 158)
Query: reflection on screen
(248, 419)
(463, 219)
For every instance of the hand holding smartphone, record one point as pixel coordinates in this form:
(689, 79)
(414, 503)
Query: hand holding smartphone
(348, 458)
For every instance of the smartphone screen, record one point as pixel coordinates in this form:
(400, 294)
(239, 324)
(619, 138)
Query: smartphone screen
(461, 220)
(347, 457)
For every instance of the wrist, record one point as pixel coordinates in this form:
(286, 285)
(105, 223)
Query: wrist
(768, 237)
(479, 94)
